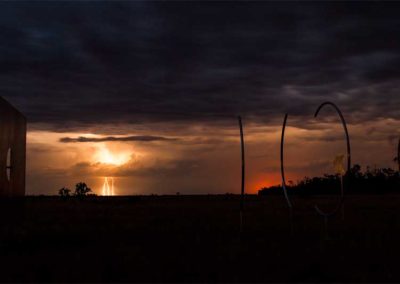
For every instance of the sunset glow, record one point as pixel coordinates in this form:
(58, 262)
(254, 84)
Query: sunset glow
(158, 167)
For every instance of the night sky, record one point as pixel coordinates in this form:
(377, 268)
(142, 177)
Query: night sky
(149, 92)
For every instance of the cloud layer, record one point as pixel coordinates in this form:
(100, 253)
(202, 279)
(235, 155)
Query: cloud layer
(147, 138)
(137, 72)
(72, 65)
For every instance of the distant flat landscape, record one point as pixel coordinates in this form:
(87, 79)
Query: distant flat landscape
(196, 238)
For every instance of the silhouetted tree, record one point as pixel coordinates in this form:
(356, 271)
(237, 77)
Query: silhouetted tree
(64, 192)
(382, 180)
(81, 189)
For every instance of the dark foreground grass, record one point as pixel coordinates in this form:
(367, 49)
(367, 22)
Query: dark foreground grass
(195, 238)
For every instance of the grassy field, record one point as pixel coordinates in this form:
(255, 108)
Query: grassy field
(196, 238)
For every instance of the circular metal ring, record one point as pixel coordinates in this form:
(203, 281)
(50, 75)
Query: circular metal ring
(340, 203)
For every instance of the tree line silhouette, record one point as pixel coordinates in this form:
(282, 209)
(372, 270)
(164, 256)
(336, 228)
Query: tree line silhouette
(81, 189)
(374, 181)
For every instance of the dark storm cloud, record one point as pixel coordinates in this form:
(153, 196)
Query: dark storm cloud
(111, 138)
(81, 64)
(132, 168)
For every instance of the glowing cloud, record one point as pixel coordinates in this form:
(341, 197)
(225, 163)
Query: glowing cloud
(105, 156)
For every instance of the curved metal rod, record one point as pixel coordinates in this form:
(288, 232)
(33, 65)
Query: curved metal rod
(340, 203)
(344, 127)
(243, 172)
(398, 154)
(282, 167)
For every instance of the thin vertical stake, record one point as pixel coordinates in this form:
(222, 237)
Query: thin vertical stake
(291, 220)
(283, 176)
(398, 154)
(282, 166)
(243, 173)
(326, 227)
(342, 195)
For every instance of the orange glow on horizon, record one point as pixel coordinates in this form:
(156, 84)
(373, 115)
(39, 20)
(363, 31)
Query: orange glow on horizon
(142, 166)
(259, 182)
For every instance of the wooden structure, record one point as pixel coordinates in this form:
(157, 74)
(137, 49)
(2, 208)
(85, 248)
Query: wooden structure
(12, 150)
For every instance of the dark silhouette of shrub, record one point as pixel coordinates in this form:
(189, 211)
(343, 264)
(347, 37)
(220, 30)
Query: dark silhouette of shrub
(81, 189)
(64, 192)
(377, 181)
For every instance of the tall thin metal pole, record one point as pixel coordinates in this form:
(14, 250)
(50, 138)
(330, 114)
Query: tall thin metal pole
(282, 167)
(398, 154)
(243, 174)
(283, 177)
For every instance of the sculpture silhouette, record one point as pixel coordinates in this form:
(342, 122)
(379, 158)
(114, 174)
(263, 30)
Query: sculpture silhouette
(344, 127)
(340, 203)
(398, 154)
(282, 167)
(243, 173)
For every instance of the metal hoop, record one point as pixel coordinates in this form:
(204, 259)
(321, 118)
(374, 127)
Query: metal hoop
(340, 203)
(243, 172)
(398, 155)
(282, 167)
